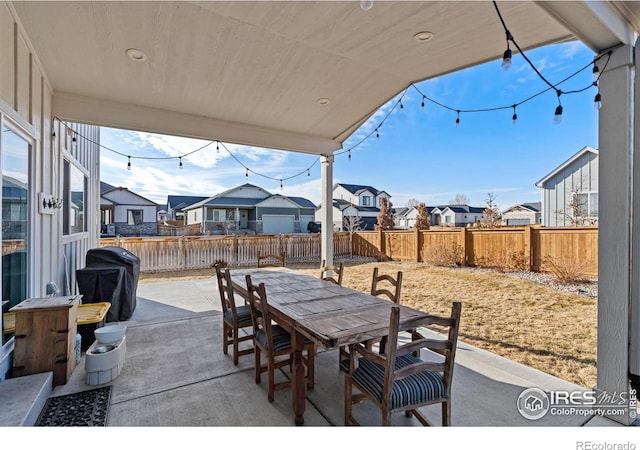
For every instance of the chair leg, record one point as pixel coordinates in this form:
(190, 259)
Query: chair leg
(258, 369)
(446, 414)
(311, 356)
(386, 417)
(224, 338)
(236, 347)
(348, 420)
(271, 376)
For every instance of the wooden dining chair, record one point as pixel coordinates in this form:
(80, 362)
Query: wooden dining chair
(399, 380)
(381, 285)
(234, 318)
(391, 289)
(272, 260)
(274, 341)
(332, 273)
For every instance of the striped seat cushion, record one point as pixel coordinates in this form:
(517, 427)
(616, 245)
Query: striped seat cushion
(415, 389)
(244, 315)
(281, 338)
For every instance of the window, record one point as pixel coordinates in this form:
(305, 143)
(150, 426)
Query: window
(366, 200)
(587, 204)
(14, 153)
(447, 219)
(134, 216)
(74, 198)
(221, 215)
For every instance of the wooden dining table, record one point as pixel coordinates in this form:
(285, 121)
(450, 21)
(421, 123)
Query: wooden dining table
(329, 314)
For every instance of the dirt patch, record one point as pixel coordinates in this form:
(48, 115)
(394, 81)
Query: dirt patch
(521, 319)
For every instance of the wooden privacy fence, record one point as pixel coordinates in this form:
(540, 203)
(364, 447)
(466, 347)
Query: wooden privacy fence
(200, 252)
(531, 248)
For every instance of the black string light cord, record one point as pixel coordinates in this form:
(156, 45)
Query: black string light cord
(398, 103)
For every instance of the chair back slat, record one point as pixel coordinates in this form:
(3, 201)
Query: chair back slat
(272, 260)
(332, 273)
(417, 368)
(395, 284)
(226, 289)
(259, 308)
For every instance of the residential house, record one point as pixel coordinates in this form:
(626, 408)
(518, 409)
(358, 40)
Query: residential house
(405, 218)
(523, 214)
(456, 215)
(177, 203)
(355, 200)
(251, 209)
(125, 213)
(161, 213)
(570, 191)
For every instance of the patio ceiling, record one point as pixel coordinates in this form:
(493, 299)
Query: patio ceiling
(252, 72)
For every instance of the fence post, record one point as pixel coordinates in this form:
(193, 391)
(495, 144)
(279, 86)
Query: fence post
(463, 244)
(381, 241)
(528, 251)
(235, 249)
(182, 252)
(417, 231)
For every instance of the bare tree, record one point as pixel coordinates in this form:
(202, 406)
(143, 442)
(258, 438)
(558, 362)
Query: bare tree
(577, 211)
(352, 224)
(385, 216)
(491, 213)
(423, 220)
(412, 203)
(460, 199)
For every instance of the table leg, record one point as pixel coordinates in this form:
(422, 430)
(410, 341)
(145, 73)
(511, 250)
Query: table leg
(298, 381)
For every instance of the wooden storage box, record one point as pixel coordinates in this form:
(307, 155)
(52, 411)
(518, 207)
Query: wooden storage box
(45, 336)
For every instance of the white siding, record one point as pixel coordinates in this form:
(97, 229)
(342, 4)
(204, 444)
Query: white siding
(246, 192)
(277, 202)
(581, 175)
(120, 213)
(277, 224)
(26, 103)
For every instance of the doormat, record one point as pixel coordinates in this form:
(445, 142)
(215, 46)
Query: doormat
(87, 408)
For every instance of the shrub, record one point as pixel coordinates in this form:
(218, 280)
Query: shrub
(442, 254)
(505, 261)
(566, 271)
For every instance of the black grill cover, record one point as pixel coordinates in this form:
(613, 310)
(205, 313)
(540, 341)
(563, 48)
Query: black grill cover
(123, 303)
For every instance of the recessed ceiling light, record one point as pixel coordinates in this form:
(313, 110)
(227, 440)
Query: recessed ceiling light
(136, 55)
(323, 101)
(423, 36)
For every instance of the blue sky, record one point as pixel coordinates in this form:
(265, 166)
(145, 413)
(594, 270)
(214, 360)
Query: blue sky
(420, 153)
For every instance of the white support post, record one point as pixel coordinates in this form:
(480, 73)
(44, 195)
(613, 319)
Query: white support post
(617, 264)
(326, 211)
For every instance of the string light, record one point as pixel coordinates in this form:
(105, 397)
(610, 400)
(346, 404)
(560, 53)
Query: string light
(280, 184)
(458, 119)
(401, 105)
(308, 172)
(218, 147)
(129, 163)
(246, 174)
(506, 57)
(377, 134)
(349, 154)
(514, 118)
(597, 101)
(180, 162)
(596, 72)
(557, 117)
(422, 104)
(74, 141)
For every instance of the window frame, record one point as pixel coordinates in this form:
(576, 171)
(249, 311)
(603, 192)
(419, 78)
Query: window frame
(130, 216)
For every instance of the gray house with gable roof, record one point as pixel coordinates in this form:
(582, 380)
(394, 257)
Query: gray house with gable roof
(249, 209)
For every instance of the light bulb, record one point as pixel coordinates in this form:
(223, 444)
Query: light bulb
(557, 118)
(181, 163)
(596, 73)
(506, 60)
(514, 119)
(597, 101)
(366, 5)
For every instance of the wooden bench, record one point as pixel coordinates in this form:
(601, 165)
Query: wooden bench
(89, 313)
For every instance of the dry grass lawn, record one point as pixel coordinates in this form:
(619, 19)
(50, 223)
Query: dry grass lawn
(522, 320)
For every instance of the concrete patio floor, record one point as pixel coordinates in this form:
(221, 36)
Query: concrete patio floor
(176, 375)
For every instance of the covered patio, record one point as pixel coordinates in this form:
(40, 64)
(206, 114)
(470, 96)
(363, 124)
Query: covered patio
(298, 76)
(176, 375)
